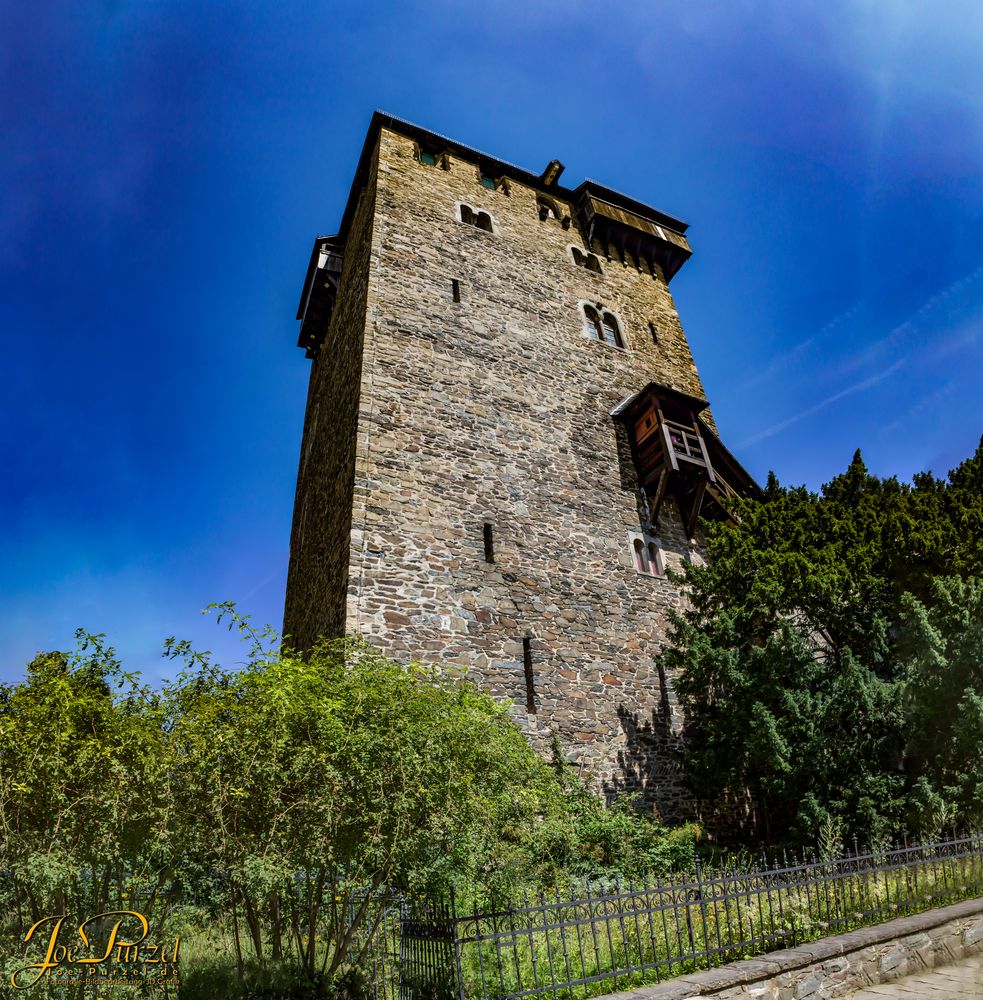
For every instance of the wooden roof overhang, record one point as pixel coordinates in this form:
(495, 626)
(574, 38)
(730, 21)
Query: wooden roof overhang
(644, 237)
(320, 291)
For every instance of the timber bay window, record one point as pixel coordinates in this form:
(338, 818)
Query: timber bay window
(676, 453)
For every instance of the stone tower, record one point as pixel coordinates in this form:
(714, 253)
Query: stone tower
(506, 443)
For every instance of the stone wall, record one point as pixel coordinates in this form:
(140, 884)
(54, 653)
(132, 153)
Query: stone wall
(496, 409)
(317, 578)
(837, 966)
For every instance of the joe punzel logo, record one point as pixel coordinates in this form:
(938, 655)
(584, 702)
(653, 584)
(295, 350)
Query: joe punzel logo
(101, 951)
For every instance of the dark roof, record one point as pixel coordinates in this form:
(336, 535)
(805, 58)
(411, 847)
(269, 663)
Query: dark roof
(492, 165)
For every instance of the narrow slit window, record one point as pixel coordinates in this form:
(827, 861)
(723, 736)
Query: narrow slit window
(489, 542)
(653, 330)
(530, 679)
(456, 289)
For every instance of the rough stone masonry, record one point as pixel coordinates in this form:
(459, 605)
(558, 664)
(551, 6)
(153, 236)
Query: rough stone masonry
(468, 490)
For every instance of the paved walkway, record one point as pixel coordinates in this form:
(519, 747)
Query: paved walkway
(954, 982)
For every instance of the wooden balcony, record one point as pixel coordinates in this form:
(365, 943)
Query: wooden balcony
(676, 452)
(320, 291)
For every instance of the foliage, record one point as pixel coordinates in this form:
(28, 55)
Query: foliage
(944, 661)
(790, 656)
(578, 835)
(270, 814)
(363, 774)
(85, 804)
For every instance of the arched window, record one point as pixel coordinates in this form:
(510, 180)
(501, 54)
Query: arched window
(647, 555)
(592, 323)
(602, 325)
(480, 220)
(588, 259)
(656, 564)
(548, 209)
(611, 331)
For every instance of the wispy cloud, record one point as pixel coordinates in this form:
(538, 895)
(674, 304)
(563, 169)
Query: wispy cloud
(783, 361)
(923, 404)
(862, 386)
(934, 311)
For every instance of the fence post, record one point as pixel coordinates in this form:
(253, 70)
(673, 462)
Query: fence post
(457, 947)
(703, 909)
(403, 917)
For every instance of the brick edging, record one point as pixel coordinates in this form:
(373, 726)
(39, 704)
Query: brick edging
(790, 960)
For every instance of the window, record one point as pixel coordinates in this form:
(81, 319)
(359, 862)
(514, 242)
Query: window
(599, 324)
(610, 330)
(493, 183)
(455, 290)
(592, 323)
(432, 158)
(489, 542)
(472, 217)
(647, 556)
(653, 330)
(548, 209)
(530, 680)
(586, 259)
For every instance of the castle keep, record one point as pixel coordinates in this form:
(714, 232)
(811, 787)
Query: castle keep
(506, 444)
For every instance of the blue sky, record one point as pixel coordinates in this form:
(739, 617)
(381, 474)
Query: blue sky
(165, 166)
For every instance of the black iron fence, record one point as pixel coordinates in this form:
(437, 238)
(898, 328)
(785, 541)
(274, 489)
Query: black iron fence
(608, 936)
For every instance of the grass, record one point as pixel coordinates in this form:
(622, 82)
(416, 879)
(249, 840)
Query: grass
(574, 946)
(577, 949)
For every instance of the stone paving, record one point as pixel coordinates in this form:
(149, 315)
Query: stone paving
(953, 982)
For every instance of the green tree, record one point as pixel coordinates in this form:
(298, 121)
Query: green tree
(944, 696)
(788, 658)
(363, 774)
(85, 807)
